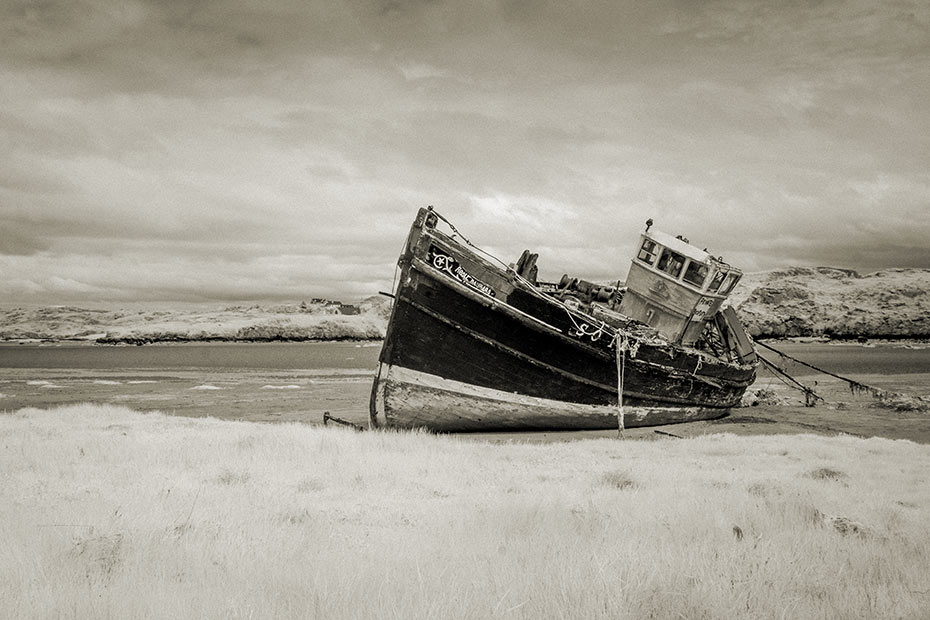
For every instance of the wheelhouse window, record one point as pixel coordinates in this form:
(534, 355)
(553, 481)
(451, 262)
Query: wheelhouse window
(696, 273)
(648, 252)
(729, 284)
(671, 263)
(715, 283)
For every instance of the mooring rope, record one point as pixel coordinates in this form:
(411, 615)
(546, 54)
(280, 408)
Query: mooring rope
(621, 347)
(327, 418)
(854, 386)
(885, 397)
(810, 397)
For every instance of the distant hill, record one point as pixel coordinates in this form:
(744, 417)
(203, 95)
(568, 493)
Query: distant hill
(838, 303)
(316, 320)
(821, 301)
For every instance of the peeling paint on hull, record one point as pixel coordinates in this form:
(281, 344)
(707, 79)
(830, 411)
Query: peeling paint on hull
(412, 399)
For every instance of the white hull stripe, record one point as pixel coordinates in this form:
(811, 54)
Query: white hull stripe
(409, 398)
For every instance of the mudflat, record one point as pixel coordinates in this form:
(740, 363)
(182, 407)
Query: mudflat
(300, 382)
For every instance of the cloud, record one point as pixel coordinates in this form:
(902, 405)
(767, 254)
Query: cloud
(243, 149)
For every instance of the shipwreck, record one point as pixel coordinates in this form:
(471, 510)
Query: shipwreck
(474, 344)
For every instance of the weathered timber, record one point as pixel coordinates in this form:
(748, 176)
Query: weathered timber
(473, 346)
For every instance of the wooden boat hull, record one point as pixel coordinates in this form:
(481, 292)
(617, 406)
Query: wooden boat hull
(471, 348)
(414, 399)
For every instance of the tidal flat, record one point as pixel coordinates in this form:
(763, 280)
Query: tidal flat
(300, 382)
(108, 512)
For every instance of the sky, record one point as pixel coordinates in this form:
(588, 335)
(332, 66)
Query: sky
(279, 149)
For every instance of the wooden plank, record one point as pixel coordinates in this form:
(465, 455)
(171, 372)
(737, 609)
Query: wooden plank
(420, 400)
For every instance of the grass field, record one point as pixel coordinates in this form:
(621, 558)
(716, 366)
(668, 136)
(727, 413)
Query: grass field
(109, 513)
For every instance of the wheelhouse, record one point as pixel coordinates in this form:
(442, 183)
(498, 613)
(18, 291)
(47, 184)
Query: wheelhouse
(675, 286)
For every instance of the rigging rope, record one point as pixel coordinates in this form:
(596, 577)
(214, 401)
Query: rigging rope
(465, 239)
(533, 289)
(621, 347)
(396, 269)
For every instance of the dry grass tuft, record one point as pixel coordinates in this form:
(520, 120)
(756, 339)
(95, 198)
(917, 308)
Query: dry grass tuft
(903, 403)
(843, 525)
(825, 473)
(233, 477)
(310, 484)
(848, 527)
(618, 480)
(99, 554)
(766, 488)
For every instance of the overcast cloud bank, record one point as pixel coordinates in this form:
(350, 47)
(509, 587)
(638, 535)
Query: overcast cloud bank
(236, 149)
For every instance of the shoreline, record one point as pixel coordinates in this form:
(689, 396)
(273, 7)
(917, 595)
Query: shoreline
(304, 396)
